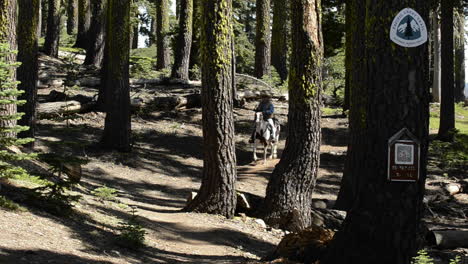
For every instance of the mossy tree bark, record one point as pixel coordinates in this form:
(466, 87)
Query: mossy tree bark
(385, 219)
(27, 54)
(279, 38)
(180, 69)
(217, 194)
(447, 107)
(355, 82)
(262, 39)
(292, 182)
(95, 50)
(72, 16)
(84, 23)
(8, 35)
(162, 38)
(460, 57)
(115, 77)
(52, 39)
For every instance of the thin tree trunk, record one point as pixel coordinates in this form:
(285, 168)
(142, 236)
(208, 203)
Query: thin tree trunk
(447, 107)
(152, 36)
(436, 85)
(8, 35)
(162, 41)
(348, 49)
(27, 71)
(95, 51)
(355, 77)
(135, 37)
(84, 23)
(51, 45)
(39, 24)
(279, 38)
(217, 193)
(288, 198)
(117, 127)
(262, 39)
(72, 16)
(180, 69)
(196, 28)
(384, 223)
(44, 17)
(460, 57)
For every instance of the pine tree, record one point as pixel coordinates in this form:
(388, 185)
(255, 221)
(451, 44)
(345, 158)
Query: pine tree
(84, 23)
(95, 50)
(162, 38)
(51, 45)
(292, 182)
(262, 39)
(72, 16)
(279, 38)
(184, 41)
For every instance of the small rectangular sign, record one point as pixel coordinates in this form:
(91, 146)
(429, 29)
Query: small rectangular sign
(403, 157)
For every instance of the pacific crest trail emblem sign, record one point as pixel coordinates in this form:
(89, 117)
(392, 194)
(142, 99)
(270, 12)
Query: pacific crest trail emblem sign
(408, 29)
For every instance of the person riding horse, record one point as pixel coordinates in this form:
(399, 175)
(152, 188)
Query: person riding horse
(266, 107)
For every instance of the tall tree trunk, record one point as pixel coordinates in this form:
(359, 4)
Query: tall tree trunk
(279, 38)
(27, 54)
(115, 77)
(178, 8)
(289, 191)
(162, 40)
(72, 16)
(447, 107)
(184, 41)
(152, 34)
(84, 22)
(39, 24)
(460, 57)
(196, 28)
(349, 26)
(217, 193)
(44, 16)
(51, 45)
(262, 39)
(8, 35)
(355, 77)
(95, 50)
(436, 85)
(385, 219)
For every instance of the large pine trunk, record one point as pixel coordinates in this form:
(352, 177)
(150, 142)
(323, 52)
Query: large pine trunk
(355, 82)
(460, 57)
(27, 55)
(385, 219)
(51, 45)
(162, 38)
(217, 193)
(8, 35)
(447, 107)
(279, 38)
(84, 23)
(115, 79)
(262, 39)
(184, 41)
(289, 191)
(95, 51)
(72, 16)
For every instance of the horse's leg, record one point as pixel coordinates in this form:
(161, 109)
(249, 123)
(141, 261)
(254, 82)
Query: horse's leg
(271, 145)
(265, 150)
(274, 150)
(255, 150)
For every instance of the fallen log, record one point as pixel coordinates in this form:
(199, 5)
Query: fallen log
(448, 239)
(61, 108)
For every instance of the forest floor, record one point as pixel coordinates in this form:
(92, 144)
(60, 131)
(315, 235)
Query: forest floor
(155, 180)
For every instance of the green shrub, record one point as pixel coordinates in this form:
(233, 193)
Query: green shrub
(10, 205)
(142, 67)
(132, 234)
(451, 156)
(105, 193)
(422, 258)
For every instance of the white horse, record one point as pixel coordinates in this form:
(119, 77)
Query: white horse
(264, 135)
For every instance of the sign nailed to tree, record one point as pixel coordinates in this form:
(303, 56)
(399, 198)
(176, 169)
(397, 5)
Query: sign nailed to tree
(408, 29)
(403, 157)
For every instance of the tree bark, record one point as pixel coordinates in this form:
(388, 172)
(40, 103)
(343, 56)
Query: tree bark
(72, 16)
(436, 85)
(162, 39)
(217, 193)
(349, 26)
(84, 23)
(184, 41)
(384, 222)
(196, 28)
(290, 188)
(44, 16)
(27, 72)
(355, 81)
(135, 33)
(262, 39)
(460, 57)
(8, 35)
(279, 38)
(51, 45)
(447, 104)
(115, 77)
(95, 50)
